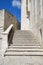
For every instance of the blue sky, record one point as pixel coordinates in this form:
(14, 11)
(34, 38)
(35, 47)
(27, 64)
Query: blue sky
(13, 6)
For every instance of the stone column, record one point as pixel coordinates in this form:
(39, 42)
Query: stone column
(41, 3)
(28, 5)
(23, 14)
(37, 10)
(32, 13)
(24, 19)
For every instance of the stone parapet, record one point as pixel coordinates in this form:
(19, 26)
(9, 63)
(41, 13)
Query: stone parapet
(5, 41)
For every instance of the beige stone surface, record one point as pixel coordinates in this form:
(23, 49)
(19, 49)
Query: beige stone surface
(22, 60)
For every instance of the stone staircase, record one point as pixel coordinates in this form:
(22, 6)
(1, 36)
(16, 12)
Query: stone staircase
(21, 50)
(24, 50)
(22, 37)
(24, 42)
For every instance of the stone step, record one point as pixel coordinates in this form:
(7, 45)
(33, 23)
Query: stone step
(25, 50)
(25, 43)
(23, 35)
(18, 34)
(29, 33)
(23, 32)
(30, 45)
(24, 38)
(24, 53)
(24, 47)
(18, 44)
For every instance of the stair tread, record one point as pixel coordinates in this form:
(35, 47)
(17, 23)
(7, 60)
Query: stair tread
(20, 46)
(35, 49)
(26, 44)
(23, 47)
(23, 53)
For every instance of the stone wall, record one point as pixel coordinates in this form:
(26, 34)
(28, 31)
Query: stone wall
(1, 22)
(6, 19)
(10, 19)
(36, 17)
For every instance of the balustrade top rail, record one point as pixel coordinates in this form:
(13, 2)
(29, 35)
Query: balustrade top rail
(8, 29)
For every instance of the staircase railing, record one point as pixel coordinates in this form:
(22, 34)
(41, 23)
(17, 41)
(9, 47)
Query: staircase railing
(6, 38)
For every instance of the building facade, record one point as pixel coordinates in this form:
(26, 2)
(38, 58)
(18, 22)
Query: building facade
(34, 20)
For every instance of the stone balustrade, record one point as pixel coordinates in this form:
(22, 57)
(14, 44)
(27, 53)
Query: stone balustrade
(8, 30)
(5, 39)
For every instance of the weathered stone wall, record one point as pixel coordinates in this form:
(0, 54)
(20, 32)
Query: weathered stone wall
(10, 19)
(6, 19)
